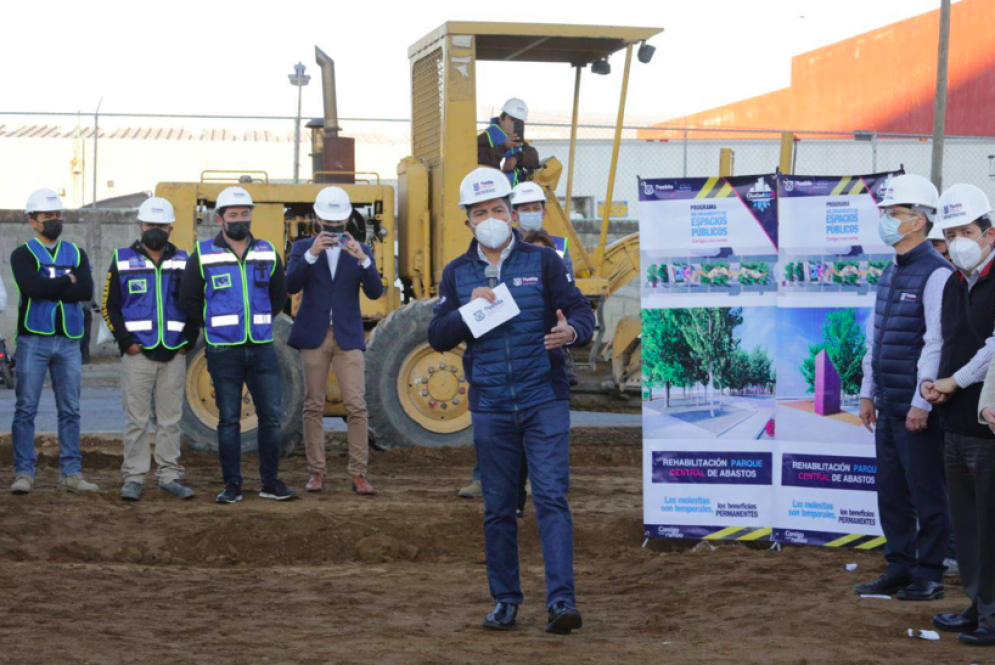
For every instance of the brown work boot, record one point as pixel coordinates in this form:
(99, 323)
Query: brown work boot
(362, 486)
(315, 483)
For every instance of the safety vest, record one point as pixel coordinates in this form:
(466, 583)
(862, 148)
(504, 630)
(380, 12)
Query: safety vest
(150, 298)
(561, 244)
(237, 307)
(497, 137)
(39, 315)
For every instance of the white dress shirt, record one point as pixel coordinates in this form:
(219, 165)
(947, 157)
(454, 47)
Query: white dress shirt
(333, 254)
(929, 358)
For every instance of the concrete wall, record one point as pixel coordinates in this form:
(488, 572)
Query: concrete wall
(100, 232)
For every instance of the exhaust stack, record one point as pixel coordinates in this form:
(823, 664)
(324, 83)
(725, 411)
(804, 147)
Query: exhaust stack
(331, 151)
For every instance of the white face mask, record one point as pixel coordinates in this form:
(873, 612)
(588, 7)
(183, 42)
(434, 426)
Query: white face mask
(965, 253)
(530, 221)
(492, 233)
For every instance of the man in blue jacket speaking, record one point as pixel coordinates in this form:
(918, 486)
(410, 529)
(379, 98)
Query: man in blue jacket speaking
(519, 394)
(330, 268)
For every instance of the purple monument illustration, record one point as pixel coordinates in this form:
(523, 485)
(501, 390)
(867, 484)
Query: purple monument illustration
(827, 386)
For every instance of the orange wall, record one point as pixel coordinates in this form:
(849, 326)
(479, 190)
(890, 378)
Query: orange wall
(882, 80)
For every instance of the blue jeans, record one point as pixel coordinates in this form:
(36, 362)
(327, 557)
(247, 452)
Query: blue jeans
(36, 356)
(255, 366)
(542, 435)
(523, 495)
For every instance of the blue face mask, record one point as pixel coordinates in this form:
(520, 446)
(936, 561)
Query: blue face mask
(531, 221)
(888, 230)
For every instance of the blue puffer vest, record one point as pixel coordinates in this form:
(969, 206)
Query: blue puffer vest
(509, 368)
(899, 327)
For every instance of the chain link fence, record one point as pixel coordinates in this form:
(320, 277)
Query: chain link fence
(136, 151)
(675, 153)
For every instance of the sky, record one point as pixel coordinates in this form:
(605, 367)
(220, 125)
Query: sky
(797, 329)
(759, 328)
(234, 57)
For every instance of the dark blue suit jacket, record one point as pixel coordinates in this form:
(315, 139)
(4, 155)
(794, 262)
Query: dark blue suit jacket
(322, 295)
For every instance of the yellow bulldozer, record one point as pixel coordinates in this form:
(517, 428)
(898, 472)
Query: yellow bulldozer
(415, 395)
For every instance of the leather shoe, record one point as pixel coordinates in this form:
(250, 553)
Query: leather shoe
(922, 590)
(982, 637)
(502, 617)
(563, 618)
(362, 486)
(315, 483)
(965, 622)
(884, 585)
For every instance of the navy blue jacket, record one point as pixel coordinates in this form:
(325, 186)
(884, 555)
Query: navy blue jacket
(322, 295)
(899, 328)
(509, 368)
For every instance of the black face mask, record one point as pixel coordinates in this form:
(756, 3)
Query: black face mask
(155, 239)
(238, 230)
(52, 229)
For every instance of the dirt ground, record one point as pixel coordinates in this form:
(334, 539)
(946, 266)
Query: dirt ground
(400, 578)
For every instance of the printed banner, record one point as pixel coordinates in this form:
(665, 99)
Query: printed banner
(743, 280)
(709, 289)
(831, 260)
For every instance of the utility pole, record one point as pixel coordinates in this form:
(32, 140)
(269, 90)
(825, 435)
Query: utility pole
(940, 104)
(298, 79)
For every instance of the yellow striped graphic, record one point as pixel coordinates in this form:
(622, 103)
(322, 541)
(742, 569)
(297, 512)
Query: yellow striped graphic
(840, 542)
(871, 544)
(756, 535)
(703, 194)
(728, 531)
(725, 191)
(844, 181)
(857, 188)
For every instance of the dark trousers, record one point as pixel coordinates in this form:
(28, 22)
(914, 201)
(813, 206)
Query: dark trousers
(542, 435)
(970, 464)
(255, 366)
(912, 497)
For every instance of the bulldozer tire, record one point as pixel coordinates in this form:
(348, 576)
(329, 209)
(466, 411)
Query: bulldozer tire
(396, 360)
(199, 422)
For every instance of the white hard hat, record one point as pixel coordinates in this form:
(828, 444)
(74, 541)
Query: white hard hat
(527, 192)
(43, 200)
(910, 190)
(156, 210)
(960, 205)
(332, 204)
(517, 109)
(483, 184)
(936, 233)
(233, 196)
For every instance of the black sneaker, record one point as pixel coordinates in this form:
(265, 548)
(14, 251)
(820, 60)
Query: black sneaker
(277, 491)
(230, 494)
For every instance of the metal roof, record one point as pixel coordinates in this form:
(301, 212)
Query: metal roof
(539, 42)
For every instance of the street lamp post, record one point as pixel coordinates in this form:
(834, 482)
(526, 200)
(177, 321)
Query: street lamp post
(298, 79)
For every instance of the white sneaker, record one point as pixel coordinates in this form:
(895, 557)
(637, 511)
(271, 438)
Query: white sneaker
(472, 491)
(75, 483)
(23, 483)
